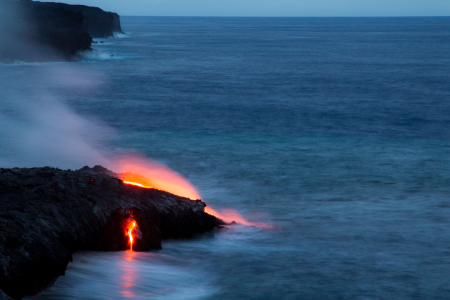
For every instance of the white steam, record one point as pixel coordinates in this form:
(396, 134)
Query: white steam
(37, 129)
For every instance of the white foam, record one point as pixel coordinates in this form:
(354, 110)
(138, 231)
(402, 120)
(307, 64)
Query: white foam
(121, 35)
(19, 63)
(136, 275)
(96, 54)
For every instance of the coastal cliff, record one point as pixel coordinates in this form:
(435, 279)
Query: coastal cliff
(47, 214)
(98, 23)
(47, 31)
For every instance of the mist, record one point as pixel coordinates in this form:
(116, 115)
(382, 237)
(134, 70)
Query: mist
(37, 128)
(21, 37)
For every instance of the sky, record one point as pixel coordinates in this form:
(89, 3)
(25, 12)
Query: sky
(271, 8)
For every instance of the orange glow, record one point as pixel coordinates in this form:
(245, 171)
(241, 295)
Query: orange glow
(229, 215)
(135, 183)
(145, 173)
(153, 175)
(131, 232)
(129, 276)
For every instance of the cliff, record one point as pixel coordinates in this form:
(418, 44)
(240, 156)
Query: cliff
(98, 23)
(47, 214)
(46, 31)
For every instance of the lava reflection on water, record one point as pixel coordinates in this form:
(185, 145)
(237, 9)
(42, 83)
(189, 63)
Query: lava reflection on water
(129, 276)
(136, 275)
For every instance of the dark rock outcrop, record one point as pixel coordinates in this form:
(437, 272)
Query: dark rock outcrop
(98, 23)
(30, 32)
(46, 214)
(46, 31)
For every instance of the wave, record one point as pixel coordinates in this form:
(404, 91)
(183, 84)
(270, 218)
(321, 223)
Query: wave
(95, 54)
(121, 35)
(134, 275)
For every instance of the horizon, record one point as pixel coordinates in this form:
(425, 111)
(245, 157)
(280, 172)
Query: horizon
(273, 8)
(288, 17)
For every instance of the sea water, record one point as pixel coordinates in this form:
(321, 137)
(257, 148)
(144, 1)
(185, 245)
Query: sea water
(335, 131)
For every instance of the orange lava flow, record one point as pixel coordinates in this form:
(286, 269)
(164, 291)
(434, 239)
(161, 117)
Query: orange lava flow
(135, 183)
(131, 226)
(153, 175)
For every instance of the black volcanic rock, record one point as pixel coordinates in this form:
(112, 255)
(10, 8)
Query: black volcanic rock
(32, 32)
(3, 296)
(98, 23)
(46, 31)
(46, 214)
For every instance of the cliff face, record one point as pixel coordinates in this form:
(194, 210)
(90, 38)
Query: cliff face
(31, 32)
(98, 23)
(47, 214)
(46, 31)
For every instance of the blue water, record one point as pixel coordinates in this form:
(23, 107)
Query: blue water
(333, 130)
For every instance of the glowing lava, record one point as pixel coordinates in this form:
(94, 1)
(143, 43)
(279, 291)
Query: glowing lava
(157, 176)
(131, 231)
(153, 175)
(136, 184)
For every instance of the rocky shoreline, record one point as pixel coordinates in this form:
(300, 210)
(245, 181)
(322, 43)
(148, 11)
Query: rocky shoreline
(45, 31)
(47, 214)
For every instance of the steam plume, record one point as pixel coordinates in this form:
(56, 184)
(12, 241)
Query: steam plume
(38, 129)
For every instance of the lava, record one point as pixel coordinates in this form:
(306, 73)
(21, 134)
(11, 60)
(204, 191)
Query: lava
(136, 184)
(129, 276)
(131, 231)
(153, 175)
(157, 176)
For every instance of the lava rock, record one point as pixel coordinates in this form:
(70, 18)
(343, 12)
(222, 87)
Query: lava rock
(98, 23)
(3, 296)
(47, 214)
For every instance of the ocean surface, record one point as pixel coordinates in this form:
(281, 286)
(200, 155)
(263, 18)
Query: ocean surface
(334, 131)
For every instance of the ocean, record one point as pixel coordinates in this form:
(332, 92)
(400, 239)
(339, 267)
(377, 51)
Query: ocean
(333, 131)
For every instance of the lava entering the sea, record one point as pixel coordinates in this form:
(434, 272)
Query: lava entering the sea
(132, 231)
(157, 176)
(145, 173)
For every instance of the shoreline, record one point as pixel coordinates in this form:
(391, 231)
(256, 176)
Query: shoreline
(48, 214)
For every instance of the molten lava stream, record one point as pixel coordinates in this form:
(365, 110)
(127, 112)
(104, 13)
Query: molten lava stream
(131, 232)
(135, 183)
(143, 172)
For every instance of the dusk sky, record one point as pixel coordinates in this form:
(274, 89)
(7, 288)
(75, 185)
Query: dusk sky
(291, 8)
